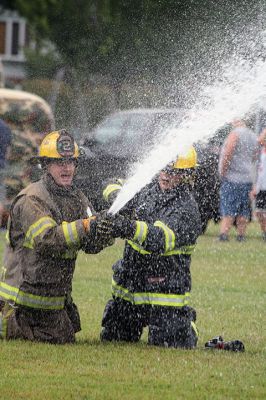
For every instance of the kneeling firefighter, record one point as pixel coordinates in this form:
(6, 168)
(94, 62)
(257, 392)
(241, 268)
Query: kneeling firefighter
(151, 284)
(47, 226)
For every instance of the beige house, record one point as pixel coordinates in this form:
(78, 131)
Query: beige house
(13, 40)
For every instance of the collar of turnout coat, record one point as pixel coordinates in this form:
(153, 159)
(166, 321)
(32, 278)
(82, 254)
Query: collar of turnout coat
(56, 189)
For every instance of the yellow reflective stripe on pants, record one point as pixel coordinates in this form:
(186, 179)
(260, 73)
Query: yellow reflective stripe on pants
(70, 233)
(159, 299)
(169, 236)
(194, 327)
(31, 300)
(141, 232)
(110, 189)
(36, 229)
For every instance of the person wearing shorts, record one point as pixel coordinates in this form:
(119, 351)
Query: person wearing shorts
(259, 188)
(234, 199)
(236, 165)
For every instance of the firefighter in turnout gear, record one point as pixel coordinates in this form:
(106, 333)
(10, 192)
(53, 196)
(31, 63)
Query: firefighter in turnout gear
(151, 284)
(48, 224)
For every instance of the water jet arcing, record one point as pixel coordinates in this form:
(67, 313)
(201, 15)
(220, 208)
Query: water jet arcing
(239, 88)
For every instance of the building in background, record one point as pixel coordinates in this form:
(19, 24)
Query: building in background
(13, 39)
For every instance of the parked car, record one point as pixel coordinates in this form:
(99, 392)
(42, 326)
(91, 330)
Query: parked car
(122, 138)
(116, 143)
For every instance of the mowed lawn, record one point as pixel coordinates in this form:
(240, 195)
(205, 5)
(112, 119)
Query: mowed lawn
(228, 293)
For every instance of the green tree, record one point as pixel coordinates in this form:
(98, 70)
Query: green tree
(128, 37)
(167, 41)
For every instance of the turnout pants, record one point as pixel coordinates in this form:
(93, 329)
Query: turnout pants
(57, 326)
(168, 326)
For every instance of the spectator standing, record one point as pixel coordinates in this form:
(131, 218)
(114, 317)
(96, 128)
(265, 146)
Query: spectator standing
(259, 188)
(5, 142)
(236, 166)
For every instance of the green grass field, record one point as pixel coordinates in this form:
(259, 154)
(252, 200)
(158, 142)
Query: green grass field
(229, 296)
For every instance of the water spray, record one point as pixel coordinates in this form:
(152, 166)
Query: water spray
(239, 88)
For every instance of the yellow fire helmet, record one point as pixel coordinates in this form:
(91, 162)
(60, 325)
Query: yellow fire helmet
(184, 162)
(58, 145)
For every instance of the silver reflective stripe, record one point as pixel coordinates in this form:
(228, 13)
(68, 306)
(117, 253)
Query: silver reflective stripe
(187, 250)
(70, 233)
(181, 250)
(122, 293)
(141, 232)
(30, 300)
(162, 299)
(137, 247)
(169, 236)
(36, 229)
(110, 189)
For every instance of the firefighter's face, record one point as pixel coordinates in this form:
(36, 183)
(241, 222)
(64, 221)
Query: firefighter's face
(62, 172)
(169, 181)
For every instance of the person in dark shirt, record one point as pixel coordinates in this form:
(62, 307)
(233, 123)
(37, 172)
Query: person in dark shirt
(5, 142)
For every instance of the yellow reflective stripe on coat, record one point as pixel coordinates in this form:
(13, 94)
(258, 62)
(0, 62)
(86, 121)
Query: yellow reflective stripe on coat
(37, 229)
(169, 236)
(31, 300)
(8, 230)
(123, 293)
(110, 189)
(186, 250)
(70, 233)
(159, 299)
(7, 236)
(181, 250)
(137, 247)
(141, 232)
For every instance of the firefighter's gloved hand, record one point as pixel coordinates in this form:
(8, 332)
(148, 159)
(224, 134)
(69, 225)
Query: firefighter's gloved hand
(123, 227)
(98, 235)
(104, 227)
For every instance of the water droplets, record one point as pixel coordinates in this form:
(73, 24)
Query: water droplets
(240, 86)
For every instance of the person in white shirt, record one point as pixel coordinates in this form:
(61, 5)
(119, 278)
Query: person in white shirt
(236, 163)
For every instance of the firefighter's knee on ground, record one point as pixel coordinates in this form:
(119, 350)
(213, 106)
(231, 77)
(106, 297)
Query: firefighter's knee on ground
(120, 322)
(170, 327)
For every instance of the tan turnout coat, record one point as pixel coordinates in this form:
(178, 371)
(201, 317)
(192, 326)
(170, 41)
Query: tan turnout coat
(44, 235)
